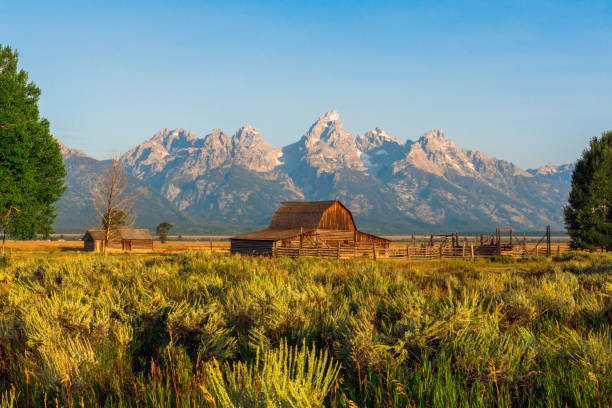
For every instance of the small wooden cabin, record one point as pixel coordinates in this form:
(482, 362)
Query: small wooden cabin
(299, 224)
(122, 239)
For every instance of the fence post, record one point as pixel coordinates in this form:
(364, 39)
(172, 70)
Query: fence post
(557, 250)
(337, 249)
(537, 250)
(301, 237)
(274, 249)
(472, 249)
(210, 242)
(440, 251)
(374, 251)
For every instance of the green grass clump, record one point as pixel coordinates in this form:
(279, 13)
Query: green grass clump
(203, 330)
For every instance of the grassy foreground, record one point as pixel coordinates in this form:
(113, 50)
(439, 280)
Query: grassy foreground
(199, 329)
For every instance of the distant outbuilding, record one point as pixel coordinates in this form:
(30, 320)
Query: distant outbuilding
(306, 224)
(122, 239)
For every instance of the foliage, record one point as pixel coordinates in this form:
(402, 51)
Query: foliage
(162, 231)
(118, 218)
(200, 329)
(286, 377)
(31, 167)
(588, 215)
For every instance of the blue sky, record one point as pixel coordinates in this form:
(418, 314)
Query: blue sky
(529, 82)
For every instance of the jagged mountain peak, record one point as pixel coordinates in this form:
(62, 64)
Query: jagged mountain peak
(326, 126)
(331, 116)
(215, 138)
(435, 139)
(375, 138)
(327, 146)
(173, 139)
(247, 135)
(251, 151)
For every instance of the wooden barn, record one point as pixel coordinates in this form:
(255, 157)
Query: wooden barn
(122, 239)
(315, 224)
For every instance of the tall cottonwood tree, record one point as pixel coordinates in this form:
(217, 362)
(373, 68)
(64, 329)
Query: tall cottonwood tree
(588, 214)
(111, 200)
(31, 166)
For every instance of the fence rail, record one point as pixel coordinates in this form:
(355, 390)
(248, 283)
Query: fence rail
(418, 252)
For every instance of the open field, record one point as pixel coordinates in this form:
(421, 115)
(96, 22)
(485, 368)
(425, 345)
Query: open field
(59, 248)
(205, 329)
(396, 238)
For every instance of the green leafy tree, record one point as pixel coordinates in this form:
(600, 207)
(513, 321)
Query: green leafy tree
(162, 230)
(588, 215)
(118, 219)
(31, 167)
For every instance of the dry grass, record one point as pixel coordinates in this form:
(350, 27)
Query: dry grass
(61, 249)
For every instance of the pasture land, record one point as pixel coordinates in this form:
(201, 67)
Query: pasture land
(58, 249)
(203, 329)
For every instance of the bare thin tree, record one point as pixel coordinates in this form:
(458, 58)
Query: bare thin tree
(111, 201)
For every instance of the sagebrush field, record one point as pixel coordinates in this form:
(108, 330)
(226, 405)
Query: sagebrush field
(201, 329)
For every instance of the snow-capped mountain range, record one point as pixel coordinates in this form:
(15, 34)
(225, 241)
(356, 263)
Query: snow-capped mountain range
(390, 185)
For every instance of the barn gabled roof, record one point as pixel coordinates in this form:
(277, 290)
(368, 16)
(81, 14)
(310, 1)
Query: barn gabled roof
(134, 233)
(122, 233)
(294, 218)
(302, 214)
(96, 235)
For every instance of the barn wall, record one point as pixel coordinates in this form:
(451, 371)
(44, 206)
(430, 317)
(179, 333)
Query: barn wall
(142, 244)
(337, 217)
(116, 243)
(251, 247)
(331, 238)
(88, 243)
(364, 238)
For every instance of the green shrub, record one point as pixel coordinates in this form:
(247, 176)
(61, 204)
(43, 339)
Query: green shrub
(285, 377)
(503, 259)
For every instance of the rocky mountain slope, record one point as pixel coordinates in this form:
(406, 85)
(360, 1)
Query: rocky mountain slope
(390, 185)
(75, 209)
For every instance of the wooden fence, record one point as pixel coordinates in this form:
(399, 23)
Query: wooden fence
(409, 251)
(419, 252)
